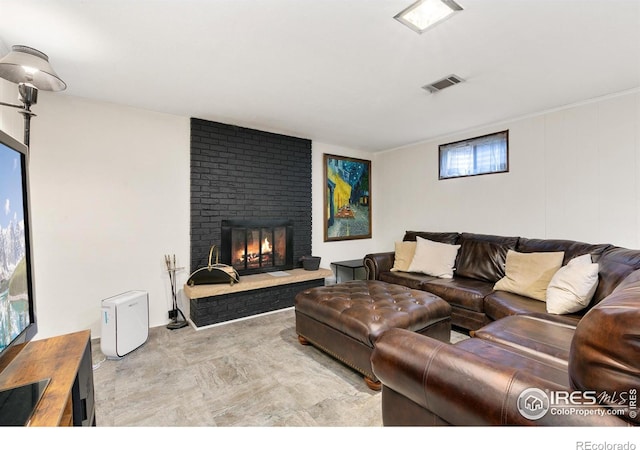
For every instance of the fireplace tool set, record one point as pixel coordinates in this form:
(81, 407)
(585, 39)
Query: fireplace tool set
(173, 314)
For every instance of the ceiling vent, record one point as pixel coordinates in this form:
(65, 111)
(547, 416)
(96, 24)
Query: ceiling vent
(442, 84)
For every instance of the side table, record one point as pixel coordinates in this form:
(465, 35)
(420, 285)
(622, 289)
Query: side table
(353, 265)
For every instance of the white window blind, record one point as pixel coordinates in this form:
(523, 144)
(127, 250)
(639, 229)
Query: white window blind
(477, 156)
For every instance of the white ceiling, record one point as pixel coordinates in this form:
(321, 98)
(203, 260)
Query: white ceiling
(343, 72)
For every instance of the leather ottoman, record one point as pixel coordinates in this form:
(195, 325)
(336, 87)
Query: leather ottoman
(344, 320)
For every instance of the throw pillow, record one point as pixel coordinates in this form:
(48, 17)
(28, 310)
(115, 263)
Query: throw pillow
(529, 274)
(403, 256)
(573, 286)
(434, 258)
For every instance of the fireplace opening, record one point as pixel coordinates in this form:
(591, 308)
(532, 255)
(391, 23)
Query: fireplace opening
(257, 245)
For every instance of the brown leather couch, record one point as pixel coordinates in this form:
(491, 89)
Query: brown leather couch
(480, 264)
(522, 366)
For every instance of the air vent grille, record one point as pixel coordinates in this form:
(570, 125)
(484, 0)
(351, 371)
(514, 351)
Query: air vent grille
(443, 83)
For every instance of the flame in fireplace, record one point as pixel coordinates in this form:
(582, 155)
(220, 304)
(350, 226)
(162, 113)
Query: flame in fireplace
(266, 246)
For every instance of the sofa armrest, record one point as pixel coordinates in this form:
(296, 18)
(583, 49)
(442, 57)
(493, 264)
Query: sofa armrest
(463, 388)
(375, 263)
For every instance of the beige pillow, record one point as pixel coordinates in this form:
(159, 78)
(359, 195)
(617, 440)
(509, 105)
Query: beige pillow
(434, 258)
(529, 274)
(573, 286)
(404, 255)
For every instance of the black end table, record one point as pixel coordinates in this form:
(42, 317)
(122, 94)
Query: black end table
(353, 265)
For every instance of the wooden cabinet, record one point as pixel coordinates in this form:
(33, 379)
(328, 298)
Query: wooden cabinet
(66, 360)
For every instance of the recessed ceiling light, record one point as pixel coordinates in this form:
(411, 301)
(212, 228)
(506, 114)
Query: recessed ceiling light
(424, 14)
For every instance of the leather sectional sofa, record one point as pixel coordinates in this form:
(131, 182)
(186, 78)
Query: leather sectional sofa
(522, 364)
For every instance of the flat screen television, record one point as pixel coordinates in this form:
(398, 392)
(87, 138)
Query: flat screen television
(17, 302)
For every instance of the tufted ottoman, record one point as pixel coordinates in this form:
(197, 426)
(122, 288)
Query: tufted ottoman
(345, 319)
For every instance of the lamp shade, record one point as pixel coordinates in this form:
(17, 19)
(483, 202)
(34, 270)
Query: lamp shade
(28, 65)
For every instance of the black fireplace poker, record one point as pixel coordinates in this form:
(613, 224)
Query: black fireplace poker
(173, 314)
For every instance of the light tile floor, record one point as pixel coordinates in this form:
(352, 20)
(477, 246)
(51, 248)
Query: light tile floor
(246, 373)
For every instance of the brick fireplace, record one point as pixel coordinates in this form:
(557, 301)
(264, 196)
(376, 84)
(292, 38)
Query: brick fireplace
(246, 175)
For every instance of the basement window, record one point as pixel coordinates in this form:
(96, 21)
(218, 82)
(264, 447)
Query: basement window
(477, 156)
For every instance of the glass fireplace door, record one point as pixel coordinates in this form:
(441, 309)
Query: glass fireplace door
(258, 248)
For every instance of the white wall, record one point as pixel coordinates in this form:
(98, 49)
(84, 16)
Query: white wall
(10, 121)
(573, 174)
(110, 197)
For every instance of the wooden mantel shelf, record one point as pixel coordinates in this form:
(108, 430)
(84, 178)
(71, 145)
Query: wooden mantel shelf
(257, 281)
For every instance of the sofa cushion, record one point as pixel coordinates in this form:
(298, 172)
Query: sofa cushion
(482, 257)
(444, 237)
(573, 286)
(466, 293)
(529, 274)
(434, 258)
(404, 252)
(493, 353)
(540, 338)
(571, 249)
(411, 280)
(501, 304)
(615, 264)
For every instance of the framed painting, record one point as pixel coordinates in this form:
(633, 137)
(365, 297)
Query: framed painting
(347, 198)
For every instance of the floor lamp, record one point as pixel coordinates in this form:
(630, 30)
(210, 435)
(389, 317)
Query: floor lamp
(30, 69)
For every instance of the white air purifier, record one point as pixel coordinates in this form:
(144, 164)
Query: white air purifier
(125, 323)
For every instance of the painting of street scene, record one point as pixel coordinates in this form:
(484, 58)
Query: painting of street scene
(347, 204)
